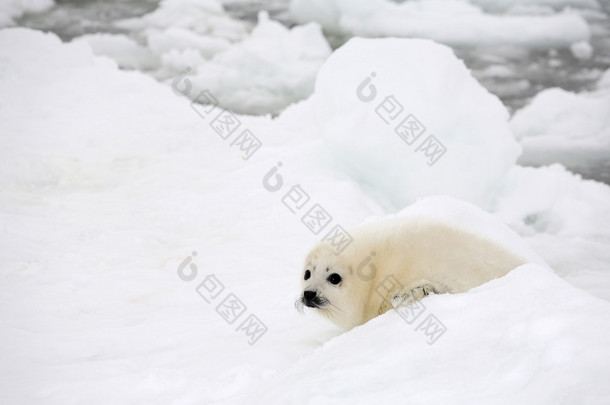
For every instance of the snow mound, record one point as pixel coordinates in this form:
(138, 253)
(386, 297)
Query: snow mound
(71, 77)
(553, 201)
(177, 27)
(405, 119)
(204, 17)
(10, 10)
(272, 68)
(185, 32)
(564, 218)
(528, 337)
(448, 21)
(248, 71)
(565, 127)
(180, 39)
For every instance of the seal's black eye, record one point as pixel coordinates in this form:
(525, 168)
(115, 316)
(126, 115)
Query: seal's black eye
(334, 279)
(307, 274)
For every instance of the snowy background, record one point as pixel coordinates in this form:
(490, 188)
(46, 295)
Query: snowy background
(150, 151)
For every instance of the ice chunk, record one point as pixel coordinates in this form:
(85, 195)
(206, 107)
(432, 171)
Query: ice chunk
(582, 50)
(205, 17)
(248, 72)
(564, 218)
(272, 68)
(405, 119)
(503, 5)
(553, 201)
(451, 22)
(181, 39)
(565, 127)
(10, 10)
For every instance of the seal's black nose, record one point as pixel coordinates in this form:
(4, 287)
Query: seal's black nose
(309, 295)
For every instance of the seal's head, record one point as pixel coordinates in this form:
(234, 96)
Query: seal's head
(328, 286)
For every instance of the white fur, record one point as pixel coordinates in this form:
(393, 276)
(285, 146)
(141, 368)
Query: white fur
(424, 256)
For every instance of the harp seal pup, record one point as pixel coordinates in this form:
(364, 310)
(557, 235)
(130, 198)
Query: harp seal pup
(394, 262)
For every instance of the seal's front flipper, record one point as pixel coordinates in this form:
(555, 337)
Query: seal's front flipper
(408, 295)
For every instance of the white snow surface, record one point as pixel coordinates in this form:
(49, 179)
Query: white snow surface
(110, 180)
(452, 22)
(373, 142)
(257, 71)
(507, 5)
(565, 127)
(271, 69)
(519, 339)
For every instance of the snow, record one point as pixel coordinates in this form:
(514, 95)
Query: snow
(204, 17)
(257, 71)
(182, 39)
(126, 52)
(531, 336)
(565, 127)
(503, 5)
(111, 181)
(271, 69)
(582, 50)
(564, 219)
(461, 145)
(452, 22)
(11, 10)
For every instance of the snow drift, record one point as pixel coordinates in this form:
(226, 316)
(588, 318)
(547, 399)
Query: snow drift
(406, 119)
(110, 182)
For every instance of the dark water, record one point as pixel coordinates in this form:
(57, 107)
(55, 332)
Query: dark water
(526, 72)
(72, 18)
